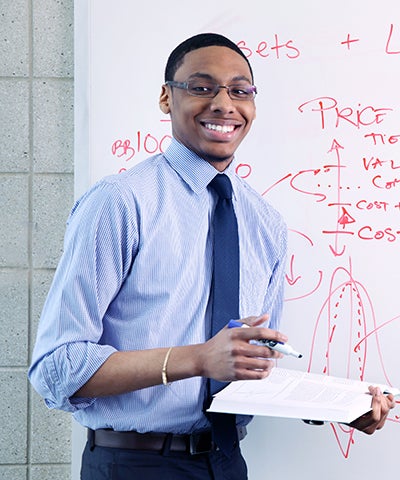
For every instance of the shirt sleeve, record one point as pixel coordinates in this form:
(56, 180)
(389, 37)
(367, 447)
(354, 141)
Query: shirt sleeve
(100, 245)
(274, 298)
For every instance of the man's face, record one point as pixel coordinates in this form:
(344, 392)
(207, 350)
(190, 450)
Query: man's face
(213, 128)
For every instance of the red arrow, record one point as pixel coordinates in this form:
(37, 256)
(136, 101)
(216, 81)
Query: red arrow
(292, 279)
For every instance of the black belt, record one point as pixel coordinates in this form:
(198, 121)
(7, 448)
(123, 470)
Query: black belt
(194, 443)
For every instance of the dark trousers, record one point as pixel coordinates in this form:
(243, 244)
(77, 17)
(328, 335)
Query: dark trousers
(103, 463)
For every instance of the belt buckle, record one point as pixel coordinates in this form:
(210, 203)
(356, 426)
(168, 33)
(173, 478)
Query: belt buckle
(200, 443)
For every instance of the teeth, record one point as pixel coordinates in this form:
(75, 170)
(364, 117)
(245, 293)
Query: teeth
(220, 128)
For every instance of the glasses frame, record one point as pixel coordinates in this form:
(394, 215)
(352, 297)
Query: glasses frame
(213, 94)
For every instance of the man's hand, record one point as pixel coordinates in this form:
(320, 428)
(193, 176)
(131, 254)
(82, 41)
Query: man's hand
(376, 418)
(229, 356)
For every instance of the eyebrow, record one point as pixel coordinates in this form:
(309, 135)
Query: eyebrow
(206, 76)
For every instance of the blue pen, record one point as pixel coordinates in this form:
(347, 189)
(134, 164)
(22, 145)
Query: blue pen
(281, 347)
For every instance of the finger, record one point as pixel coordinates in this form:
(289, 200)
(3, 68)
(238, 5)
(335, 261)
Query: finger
(254, 370)
(386, 403)
(262, 333)
(379, 409)
(243, 348)
(263, 351)
(256, 321)
(245, 342)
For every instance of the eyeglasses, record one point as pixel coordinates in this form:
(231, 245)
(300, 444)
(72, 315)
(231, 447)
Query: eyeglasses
(207, 89)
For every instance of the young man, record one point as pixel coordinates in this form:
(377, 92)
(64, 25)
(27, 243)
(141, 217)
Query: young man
(136, 278)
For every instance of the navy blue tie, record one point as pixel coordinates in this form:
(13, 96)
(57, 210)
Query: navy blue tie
(225, 305)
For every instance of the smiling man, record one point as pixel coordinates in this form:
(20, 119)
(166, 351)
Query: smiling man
(127, 339)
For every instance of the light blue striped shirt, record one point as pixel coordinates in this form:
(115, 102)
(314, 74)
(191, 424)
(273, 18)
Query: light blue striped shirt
(136, 274)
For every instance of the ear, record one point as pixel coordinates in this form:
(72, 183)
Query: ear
(164, 100)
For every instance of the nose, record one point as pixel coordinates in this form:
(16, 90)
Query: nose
(222, 101)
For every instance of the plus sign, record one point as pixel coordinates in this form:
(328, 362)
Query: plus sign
(349, 41)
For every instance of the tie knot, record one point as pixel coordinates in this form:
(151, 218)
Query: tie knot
(222, 185)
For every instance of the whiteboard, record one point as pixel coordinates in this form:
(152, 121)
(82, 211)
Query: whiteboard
(324, 150)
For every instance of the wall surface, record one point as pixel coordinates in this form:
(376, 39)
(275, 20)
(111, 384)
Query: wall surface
(36, 194)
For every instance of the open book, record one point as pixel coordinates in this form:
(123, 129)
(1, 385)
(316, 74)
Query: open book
(295, 394)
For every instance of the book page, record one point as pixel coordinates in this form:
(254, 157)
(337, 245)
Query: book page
(295, 394)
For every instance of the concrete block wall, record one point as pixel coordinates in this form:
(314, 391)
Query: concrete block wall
(36, 194)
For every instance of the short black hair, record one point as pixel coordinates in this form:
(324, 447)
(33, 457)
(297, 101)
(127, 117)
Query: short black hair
(201, 40)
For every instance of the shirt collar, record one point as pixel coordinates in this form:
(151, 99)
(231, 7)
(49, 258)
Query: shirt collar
(196, 172)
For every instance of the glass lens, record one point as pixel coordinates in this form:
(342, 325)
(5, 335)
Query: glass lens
(202, 88)
(242, 92)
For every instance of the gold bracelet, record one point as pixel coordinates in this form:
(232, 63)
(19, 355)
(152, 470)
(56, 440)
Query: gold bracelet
(164, 368)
